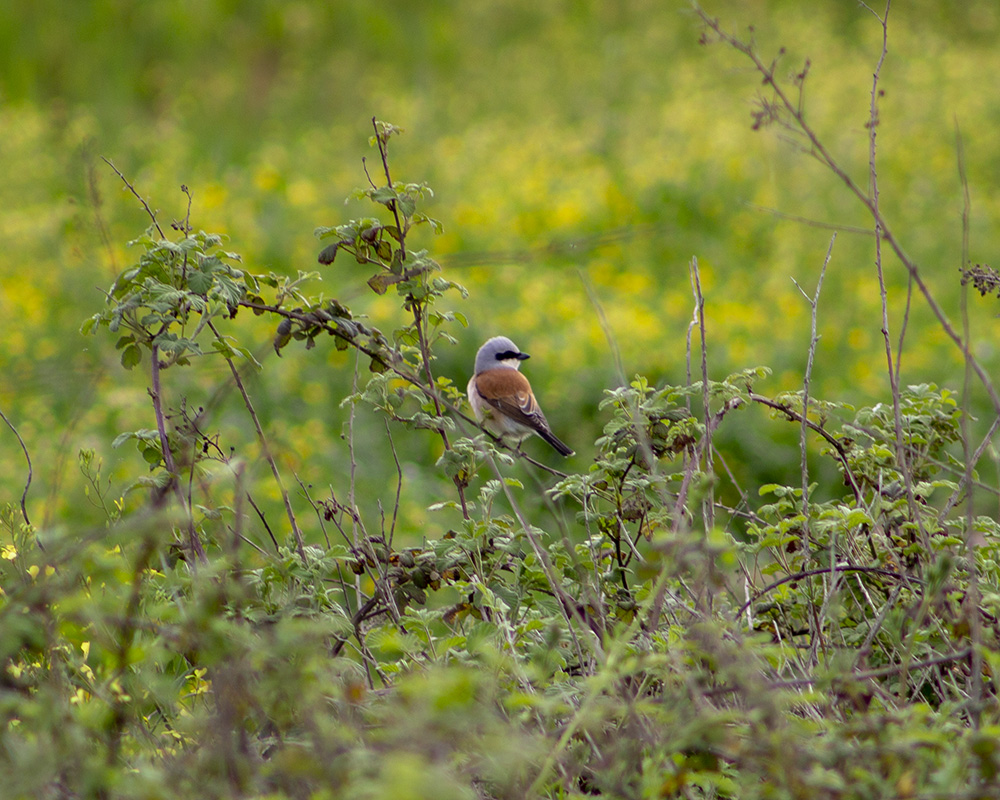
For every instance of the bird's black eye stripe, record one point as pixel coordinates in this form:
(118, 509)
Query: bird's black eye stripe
(508, 355)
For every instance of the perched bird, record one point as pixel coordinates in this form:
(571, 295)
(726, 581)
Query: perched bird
(501, 396)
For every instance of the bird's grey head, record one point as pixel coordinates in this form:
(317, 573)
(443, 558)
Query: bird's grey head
(499, 352)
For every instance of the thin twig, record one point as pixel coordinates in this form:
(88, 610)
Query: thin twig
(139, 197)
(708, 505)
(888, 573)
(156, 394)
(883, 672)
(602, 318)
(873, 194)
(317, 508)
(566, 603)
(96, 202)
(263, 520)
(830, 589)
(812, 223)
(383, 152)
(793, 415)
(265, 449)
(820, 152)
(27, 483)
(972, 599)
(813, 339)
(352, 473)
(973, 459)
(804, 428)
(420, 320)
(876, 626)
(399, 485)
(239, 495)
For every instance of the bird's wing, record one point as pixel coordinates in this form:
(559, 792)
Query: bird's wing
(510, 393)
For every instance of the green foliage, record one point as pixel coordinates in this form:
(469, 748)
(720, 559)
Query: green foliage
(644, 637)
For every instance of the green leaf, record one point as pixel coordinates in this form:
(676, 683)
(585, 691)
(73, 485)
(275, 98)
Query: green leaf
(407, 206)
(381, 281)
(199, 282)
(857, 516)
(143, 435)
(383, 195)
(248, 356)
(131, 356)
(328, 253)
(396, 265)
(152, 455)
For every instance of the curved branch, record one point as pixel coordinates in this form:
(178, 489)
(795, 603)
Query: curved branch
(887, 573)
(27, 483)
(795, 416)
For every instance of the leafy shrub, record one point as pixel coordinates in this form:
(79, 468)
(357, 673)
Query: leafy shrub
(650, 641)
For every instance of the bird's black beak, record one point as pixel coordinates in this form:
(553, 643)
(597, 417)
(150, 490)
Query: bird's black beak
(522, 356)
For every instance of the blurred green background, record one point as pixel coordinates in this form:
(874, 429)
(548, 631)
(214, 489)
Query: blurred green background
(567, 143)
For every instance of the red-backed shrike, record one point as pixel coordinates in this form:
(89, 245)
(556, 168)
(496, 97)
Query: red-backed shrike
(501, 396)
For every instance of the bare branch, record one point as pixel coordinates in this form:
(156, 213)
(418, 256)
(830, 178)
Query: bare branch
(27, 457)
(139, 197)
(813, 339)
(265, 450)
(708, 506)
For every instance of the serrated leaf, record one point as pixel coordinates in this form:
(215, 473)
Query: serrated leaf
(199, 282)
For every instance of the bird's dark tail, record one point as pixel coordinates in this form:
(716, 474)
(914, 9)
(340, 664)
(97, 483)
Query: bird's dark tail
(554, 441)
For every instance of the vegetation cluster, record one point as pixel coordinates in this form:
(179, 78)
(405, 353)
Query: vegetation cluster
(415, 609)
